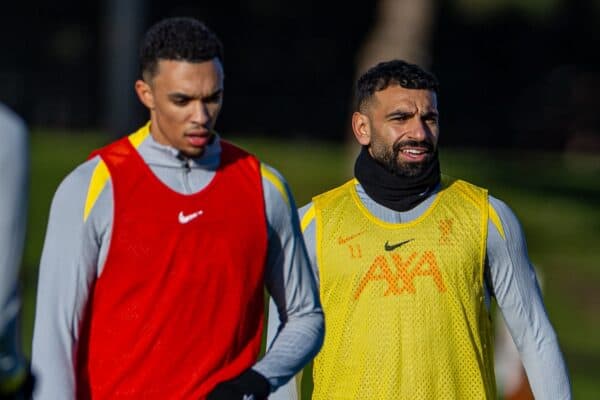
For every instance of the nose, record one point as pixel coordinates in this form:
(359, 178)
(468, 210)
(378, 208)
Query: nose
(200, 113)
(419, 131)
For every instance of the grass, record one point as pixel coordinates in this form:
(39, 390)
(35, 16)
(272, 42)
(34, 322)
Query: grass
(556, 197)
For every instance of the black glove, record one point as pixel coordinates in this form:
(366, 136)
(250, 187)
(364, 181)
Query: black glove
(23, 392)
(250, 385)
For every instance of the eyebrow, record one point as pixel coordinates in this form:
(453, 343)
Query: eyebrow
(184, 96)
(217, 93)
(180, 96)
(430, 114)
(399, 113)
(403, 113)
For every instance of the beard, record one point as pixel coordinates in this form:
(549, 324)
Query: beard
(391, 160)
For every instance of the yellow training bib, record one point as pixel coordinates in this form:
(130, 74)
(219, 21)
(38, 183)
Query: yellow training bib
(404, 309)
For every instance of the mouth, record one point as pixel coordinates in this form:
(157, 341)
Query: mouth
(413, 152)
(199, 137)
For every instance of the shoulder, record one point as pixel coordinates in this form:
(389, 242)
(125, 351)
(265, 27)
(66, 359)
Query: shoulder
(332, 195)
(307, 215)
(14, 133)
(75, 187)
(500, 215)
(279, 201)
(275, 184)
(504, 220)
(467, 189)
(271, 174)
(10, 120)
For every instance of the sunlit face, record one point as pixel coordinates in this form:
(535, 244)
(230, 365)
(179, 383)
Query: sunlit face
(400, 128)
(184, 100)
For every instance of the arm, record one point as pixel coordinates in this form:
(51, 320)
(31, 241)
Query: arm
(519, 298)
(14, 162)
(291, 283)
(68, 267)
(291, 390)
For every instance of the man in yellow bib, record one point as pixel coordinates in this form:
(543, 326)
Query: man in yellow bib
(409, 260)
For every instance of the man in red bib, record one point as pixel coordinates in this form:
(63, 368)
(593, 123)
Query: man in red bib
(159, 248)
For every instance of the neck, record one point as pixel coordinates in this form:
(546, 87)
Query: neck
(399, 193)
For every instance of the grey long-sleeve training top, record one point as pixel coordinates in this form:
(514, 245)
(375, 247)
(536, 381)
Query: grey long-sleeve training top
(509, 277)
(75, 251)
(14, 171)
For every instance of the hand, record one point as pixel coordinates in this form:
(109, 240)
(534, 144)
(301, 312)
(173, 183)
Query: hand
(250, 385)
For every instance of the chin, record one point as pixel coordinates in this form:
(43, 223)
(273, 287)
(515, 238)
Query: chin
(193, 152)
(411, 169)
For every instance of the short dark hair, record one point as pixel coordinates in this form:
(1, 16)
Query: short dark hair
(178, 38)
(386, 73)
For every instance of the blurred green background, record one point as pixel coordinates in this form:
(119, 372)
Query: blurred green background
(518, 101)
(555, 195)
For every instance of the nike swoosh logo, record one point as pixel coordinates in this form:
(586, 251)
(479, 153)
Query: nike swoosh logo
(342, 240)
(184, 219)
(390, 247)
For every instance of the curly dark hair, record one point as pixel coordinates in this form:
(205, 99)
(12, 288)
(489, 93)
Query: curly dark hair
(393, 72)
(178, 38)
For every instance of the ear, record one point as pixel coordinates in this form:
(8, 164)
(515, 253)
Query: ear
(361, 128)
(145, 94)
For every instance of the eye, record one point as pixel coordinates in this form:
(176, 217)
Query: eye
(180, 101)
(214, 98)
(401, 117)
(431, 119)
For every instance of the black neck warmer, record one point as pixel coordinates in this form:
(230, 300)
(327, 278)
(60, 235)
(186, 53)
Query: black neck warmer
(400, 193)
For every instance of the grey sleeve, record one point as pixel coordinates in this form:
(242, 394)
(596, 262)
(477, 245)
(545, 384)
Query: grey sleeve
(14, 172)
(67, 270)
(290, 391)
(299, 333)
(309, 234)
(520, 301)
